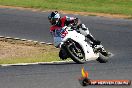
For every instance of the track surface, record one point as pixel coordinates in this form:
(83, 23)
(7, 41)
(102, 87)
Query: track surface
(114, 33)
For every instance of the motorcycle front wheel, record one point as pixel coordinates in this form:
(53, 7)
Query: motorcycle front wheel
(76, 52)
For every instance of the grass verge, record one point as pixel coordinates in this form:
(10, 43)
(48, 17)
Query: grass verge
(99, 6)
(16, 51)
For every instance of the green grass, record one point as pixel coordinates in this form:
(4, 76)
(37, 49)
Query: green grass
(45, 57)
(101, 6)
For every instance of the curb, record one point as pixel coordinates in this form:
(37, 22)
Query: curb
(37, 63)
(26, 40)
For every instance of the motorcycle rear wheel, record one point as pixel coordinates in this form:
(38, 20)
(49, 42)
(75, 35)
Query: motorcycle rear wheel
(102, 58)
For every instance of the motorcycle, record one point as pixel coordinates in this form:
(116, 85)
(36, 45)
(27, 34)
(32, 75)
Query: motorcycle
(76, 46)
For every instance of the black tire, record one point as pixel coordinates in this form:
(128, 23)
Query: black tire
(73, 54)
(102, 58)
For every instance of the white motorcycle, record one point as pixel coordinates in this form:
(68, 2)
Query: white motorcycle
(75, 46)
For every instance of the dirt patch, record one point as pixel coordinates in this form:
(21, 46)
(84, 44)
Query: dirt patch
(97, 14)
(73, 12)
(15, 48)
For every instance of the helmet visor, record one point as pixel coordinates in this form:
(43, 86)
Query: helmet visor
(53, 21)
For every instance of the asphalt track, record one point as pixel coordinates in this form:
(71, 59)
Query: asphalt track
(114, 33)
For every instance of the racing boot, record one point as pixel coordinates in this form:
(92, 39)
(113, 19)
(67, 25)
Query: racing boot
(103, 51)
(96, 44)
(91, 38)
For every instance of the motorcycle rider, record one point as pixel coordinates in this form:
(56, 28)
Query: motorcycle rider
(58, 23)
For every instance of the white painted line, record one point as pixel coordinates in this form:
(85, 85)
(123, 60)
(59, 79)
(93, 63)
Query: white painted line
(23, 64)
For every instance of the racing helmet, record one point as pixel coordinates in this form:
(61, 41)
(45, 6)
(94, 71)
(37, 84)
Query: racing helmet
(54, 17)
